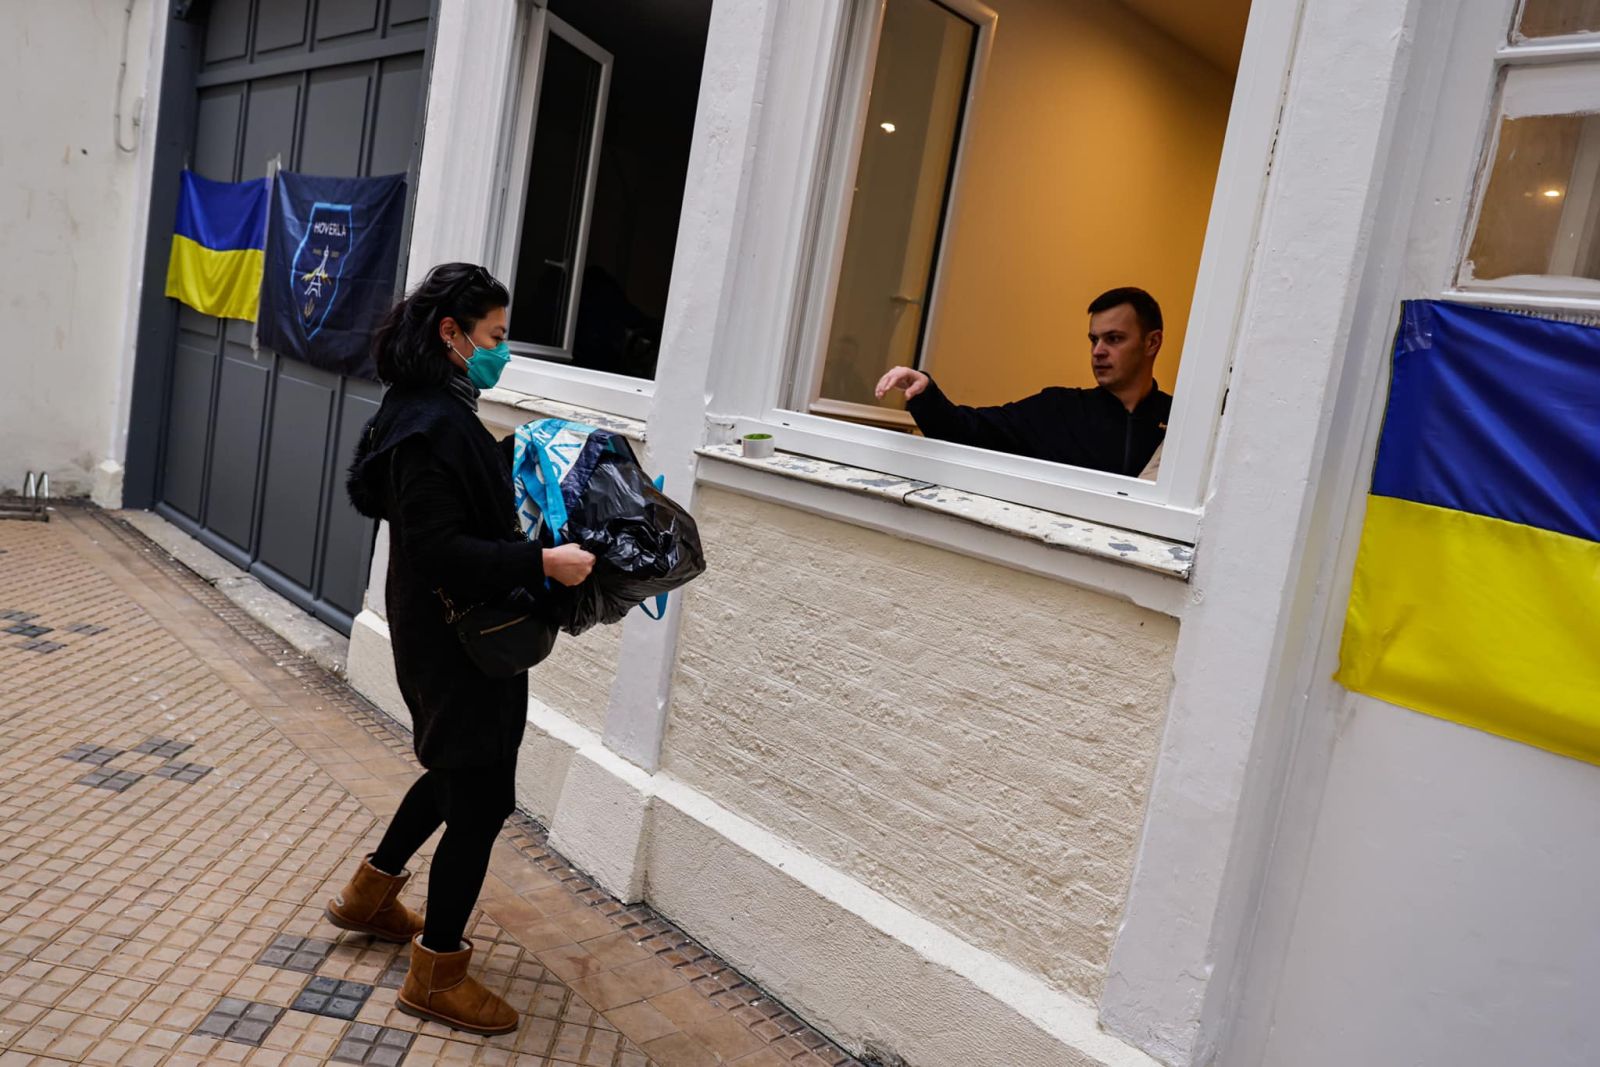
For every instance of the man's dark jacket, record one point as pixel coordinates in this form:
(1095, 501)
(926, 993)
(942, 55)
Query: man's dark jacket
(427, 465)
(1082, 427)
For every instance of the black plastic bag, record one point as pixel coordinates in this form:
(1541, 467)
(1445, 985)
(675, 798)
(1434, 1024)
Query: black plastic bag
(644, 543)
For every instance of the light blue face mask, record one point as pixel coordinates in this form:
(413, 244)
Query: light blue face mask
(485, 364)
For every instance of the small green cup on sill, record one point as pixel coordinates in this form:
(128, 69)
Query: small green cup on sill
(758, 445)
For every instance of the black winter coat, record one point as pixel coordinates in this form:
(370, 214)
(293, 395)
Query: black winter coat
(427, 465)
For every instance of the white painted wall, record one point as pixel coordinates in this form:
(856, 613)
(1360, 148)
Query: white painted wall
(1448, 915)
(72, 222)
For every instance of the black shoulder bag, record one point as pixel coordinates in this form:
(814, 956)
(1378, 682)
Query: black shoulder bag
(502, 639)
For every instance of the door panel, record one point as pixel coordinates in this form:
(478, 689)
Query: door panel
(236, 450)
(216, 135)
(346, 19)
(348, 549)
(399, 103)
(227, 31)
(282, 25)
(302, 405)
(336, 103)
(194, 368)
(274, 105)
(407, 13)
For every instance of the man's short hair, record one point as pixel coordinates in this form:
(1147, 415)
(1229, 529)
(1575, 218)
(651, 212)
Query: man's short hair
(1144, 305)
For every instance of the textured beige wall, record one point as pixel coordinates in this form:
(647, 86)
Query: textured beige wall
(971, 741)
(576, 679)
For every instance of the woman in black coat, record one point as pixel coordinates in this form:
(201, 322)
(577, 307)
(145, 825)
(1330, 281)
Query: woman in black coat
(427, 466)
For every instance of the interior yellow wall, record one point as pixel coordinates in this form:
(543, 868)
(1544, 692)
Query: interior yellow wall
(1089, 164)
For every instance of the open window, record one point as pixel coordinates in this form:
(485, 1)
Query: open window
(592, 189)
(989, 167)
(999, 165)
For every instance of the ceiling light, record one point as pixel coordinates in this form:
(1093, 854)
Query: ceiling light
(1553, 194)
(888, 127)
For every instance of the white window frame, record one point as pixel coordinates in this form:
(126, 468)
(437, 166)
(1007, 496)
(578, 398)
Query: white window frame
(850, 134)
(1535, 76)
(542, 370)
(756, 400)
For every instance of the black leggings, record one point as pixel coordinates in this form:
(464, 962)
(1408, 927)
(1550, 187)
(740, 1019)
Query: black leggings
(471, 803)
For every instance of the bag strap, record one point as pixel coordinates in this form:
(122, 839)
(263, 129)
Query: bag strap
(661, 598)
(555, 507)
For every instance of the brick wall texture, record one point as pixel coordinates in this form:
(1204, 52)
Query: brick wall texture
(576, 679)
(971, 741)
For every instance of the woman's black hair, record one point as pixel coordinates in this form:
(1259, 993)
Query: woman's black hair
(406, 346)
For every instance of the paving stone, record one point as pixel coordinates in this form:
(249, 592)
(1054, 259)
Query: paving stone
(109, 778)
(296, 953)
(332, 997)
(380, 1046)
(242, 1021)
(25, 629)
(96, 754)
(43, 646)
(394, 975)
(161, 746)
(88, 629)
(182, 772)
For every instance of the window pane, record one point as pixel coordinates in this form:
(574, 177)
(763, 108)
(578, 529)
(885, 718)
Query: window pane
(898, 208)
(557, 178)
(1555, 18)
(1539, 209)
(658, 50)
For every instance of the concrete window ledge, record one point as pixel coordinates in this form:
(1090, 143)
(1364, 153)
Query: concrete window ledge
(508, 408)
(1156, 555)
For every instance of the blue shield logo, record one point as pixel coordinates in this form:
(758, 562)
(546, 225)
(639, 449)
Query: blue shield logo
(318, 264)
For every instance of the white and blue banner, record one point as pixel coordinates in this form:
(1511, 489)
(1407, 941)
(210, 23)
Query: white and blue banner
(333, 248)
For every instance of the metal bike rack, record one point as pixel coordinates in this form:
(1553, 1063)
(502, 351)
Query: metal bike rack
(33, 504)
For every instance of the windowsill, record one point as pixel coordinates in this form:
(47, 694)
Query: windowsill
(1144, 551)
(500, 402)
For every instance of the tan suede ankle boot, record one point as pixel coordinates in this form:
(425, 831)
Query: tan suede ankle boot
(438, 987)
(369, 904)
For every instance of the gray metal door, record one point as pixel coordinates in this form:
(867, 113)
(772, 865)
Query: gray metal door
(254, 445)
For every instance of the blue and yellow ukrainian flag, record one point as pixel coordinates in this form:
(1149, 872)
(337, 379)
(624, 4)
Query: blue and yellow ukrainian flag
(1477, 587)
(217, 246)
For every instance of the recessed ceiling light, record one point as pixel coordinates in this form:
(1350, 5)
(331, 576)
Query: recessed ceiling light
(887, 127)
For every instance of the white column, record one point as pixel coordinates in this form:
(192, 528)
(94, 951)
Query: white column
(704, 269)
(1192, 904)
(468, 93)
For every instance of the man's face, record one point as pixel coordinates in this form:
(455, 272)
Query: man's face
(1120, 352)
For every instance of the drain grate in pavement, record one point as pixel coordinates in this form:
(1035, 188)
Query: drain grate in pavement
(381, 1046)
(332, 997)
(182, 772)
(163, 747)
(108, 778)
(99, 755)
(244, 1021)
(296, 953)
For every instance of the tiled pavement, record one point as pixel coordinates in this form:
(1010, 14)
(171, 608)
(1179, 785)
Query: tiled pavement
(180, 792)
